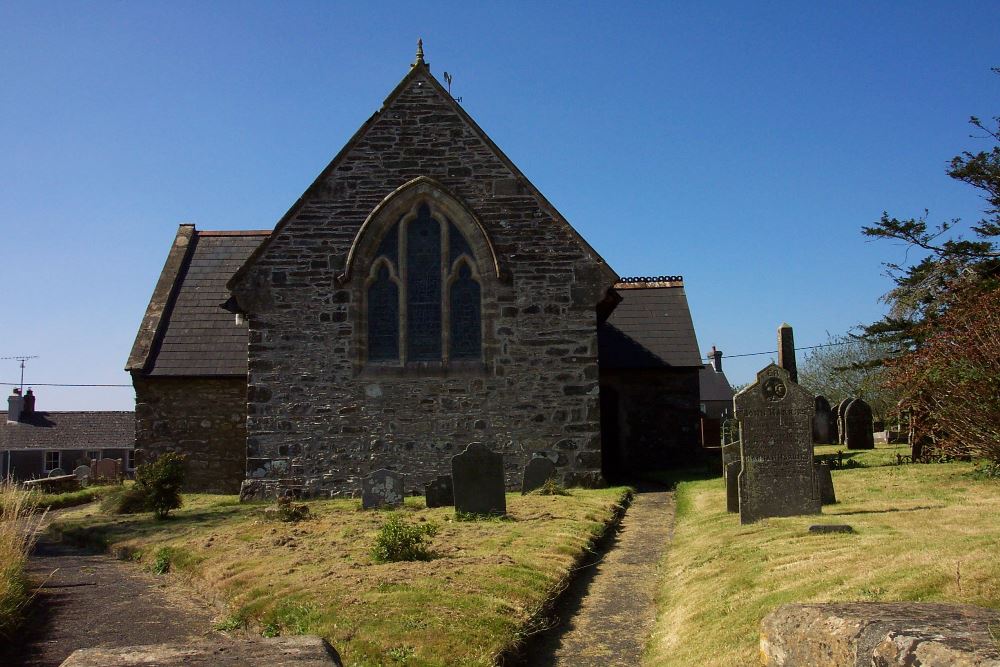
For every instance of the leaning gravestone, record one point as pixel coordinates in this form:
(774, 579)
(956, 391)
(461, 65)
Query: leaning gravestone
(538, 471)
(477, 474)
(824, 484)
(382, 488)
(858, 426)
(841, 411)
(776, 449)
(733, 487)
(439, 492)
(82, 474)
(821, 422)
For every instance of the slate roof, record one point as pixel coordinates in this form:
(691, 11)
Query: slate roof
(650, 328)
(69, 430)
(714, 385)
(192, 334)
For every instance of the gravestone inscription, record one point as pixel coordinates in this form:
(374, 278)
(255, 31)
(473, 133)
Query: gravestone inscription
(538, 471)
(439, 492)
(382, 488)
(821, 421)
(858, 426)
(477, 476)
(776, 450)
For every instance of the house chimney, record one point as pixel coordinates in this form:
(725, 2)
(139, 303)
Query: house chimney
(15, 404)
(29, 404)
(716, 360)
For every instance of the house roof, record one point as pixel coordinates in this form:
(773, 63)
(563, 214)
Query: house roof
(186, 332)
(650, 328)
(714, 385)
(69, 430)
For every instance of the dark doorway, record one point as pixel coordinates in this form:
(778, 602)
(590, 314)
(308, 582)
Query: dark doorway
(612, 461)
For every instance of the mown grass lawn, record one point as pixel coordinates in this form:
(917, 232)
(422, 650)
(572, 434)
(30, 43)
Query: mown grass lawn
(926, 532)
(473, 601)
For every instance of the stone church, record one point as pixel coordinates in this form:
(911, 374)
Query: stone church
(421, 294)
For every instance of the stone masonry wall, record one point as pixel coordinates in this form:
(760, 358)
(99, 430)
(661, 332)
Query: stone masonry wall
(319, 420)
(202, 417)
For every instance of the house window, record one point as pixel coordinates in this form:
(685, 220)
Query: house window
(52, 460)
(424, 298)
(130, 459)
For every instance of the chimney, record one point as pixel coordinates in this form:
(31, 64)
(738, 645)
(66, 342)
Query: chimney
(15, 404)
(29, 404)
(786, 351)
(716, 360)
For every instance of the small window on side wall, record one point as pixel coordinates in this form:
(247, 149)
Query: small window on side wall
(130, 459)
(52, 460)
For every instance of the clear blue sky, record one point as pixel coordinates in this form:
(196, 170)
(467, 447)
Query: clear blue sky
(742, 145)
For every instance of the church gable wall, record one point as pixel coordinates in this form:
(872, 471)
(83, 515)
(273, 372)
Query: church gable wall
(320, 416)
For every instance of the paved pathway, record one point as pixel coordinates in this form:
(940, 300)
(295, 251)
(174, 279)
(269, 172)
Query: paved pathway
(608, 613)
(89, 599)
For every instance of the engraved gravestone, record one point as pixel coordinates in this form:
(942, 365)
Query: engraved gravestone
(733, 487)
(821, 421)
(858, 426)
(777, 476)
(538, 471)
(841, 410)
(477, 476)
(382, 488)
(439, 492)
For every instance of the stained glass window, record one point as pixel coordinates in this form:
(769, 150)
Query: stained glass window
(457, 245)
(389, 247)
(466, 330)
(423, 287)
(383, 318)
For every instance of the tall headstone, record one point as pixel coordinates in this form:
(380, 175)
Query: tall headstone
(538, 471)
(824, 484)
(439, 492)
(841, 411)
(834, 428)
(733, 487)
(730, 454)
(786, 351)
(821, 421)
(776, 450)
(382, 488)
(477, 475)
(858, 426)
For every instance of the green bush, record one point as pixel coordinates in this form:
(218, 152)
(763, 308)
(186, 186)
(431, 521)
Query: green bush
(399, 541)
(160, 482)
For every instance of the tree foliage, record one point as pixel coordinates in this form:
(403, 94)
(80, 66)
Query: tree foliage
(850, 367)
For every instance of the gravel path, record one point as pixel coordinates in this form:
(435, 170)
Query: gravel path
(609, 611)
(89, 599)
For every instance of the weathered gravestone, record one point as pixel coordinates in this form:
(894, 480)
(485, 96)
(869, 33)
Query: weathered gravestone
(82, 474)
(858, 426)
(776, 449)
(439, 492)
(57, 472)
(824, 484)
(733, 487)
(105, 470)
(730, 454)
(477, 475)
(538, 471)
(821, 421)
(382, 488)
(841, 410)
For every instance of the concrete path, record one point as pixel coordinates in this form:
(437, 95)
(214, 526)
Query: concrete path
(89, 599)
(608, 613)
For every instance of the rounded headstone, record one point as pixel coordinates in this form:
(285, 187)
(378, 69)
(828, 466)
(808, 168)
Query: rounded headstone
(58, 472)
(477, 476)
(439, 492)
(382, 488)
(82, 474)
(858, 426)
(538, 471)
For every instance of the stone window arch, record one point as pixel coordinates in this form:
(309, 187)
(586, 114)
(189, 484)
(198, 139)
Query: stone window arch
(430, 274)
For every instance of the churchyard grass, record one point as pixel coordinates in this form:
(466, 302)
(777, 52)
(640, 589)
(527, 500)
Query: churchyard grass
(924, 532)
(480, 593)
(54, 501)
(882, 455)
(18, 526)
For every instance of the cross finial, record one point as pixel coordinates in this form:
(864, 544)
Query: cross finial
(420, 53)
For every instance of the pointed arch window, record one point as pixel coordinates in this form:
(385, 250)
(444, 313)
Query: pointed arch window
(424, 296)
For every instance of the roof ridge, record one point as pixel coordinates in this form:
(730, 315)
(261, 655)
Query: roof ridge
(233, 232)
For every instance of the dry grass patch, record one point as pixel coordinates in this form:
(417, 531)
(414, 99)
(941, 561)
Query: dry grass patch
(18, 527)
(924, 533)
(484, 585)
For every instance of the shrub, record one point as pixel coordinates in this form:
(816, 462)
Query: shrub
(160, 483)
(399, 541)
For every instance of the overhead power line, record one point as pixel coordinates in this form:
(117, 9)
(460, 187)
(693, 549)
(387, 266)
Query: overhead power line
(60, 384)
(757, 354)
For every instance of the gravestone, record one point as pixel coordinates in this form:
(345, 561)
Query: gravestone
(105, 470)
(841, 410)
(57, 472)
(477, 476)
(439, 492)
(730, 454)
(538, 471)
(824, 484)
(382, 488)
(821, 421)
(83, 474)
(833, 426)
(733, 487)
(776, 449)
(858, 426)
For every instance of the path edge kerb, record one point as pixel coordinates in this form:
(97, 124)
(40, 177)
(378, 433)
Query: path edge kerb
(513, 655)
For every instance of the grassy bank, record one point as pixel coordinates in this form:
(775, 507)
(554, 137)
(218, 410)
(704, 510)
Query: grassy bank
(924, 533)
(17, 529)
(54, 501)
(474, 600)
